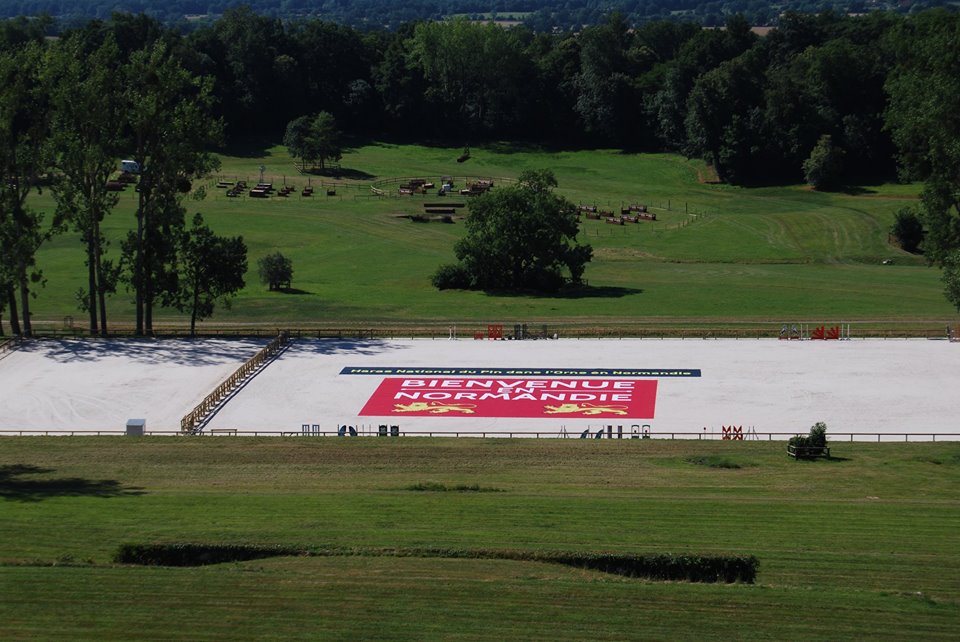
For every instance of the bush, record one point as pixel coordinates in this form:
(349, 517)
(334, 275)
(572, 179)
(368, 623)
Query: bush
(907, 228)
(276, 271)
(825, 165)
(452, 277)
(814, 443)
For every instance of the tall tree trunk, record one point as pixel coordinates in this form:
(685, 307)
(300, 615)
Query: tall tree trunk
(193, 312)
(101, 284)
(148, 276)
(92, 287)
(138, 260)
(12, 304)
(25, 300)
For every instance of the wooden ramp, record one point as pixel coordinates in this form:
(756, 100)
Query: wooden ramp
(194, 421)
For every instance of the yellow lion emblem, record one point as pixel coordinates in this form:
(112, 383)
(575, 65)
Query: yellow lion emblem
(434, 407)
(585, 409)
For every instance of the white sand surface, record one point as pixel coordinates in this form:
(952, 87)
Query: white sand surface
(877, 387)
(90, 385)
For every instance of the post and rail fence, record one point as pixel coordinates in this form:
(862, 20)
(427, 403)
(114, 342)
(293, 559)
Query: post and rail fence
(835, 437)
(464, 329)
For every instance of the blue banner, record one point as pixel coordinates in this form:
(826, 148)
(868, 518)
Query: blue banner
(521, 372)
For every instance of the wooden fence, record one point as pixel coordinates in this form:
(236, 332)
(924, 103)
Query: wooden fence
(835, 438)
(8, 346)
(191, 422)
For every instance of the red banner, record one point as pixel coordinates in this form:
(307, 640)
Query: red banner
(539, 397)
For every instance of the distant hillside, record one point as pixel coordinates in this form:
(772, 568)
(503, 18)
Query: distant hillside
(539, 15)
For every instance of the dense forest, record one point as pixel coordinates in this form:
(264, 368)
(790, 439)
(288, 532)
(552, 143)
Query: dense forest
(755, 107)
(537, 15)
(827, 99)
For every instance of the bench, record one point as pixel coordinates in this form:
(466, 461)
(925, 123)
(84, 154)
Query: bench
(223, 431)
(808, 452)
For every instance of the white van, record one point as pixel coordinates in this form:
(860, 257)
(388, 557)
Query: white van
(131, 166)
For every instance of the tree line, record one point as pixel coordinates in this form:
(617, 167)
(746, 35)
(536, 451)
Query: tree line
(754, 107)
(538, 15)
(825, 97)
(69, 110)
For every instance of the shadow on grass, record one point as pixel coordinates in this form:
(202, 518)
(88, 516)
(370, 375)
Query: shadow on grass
(341, 172)
(12, 487)
(249, 147)
(292, 291)
(855, 190)
(582, 292)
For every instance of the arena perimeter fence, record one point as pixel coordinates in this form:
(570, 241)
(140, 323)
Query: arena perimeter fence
(834, 437)
(530, 330)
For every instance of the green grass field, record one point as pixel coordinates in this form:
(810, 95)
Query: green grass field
(716, 254)
(863, 546)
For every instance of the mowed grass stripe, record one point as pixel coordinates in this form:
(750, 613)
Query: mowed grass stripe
(347, 598)
(867, 544)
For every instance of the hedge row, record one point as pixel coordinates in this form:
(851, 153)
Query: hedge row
(676, 568)
(181, 554)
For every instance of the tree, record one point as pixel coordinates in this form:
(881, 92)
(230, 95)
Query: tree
(825, 165)
(170, 124)
(521, 237)
(907, 228)
(477, 74)
(85, 95)
(211, 270)
(314, 139)
(276, 270)
(924, 119)
(724, 116)
(24, 116)
(951, 278)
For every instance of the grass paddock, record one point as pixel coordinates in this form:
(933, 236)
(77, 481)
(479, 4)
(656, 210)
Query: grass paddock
(716, 254)
(862, 545)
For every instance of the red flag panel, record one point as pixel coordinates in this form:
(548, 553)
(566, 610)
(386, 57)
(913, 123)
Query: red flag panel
(527, 398)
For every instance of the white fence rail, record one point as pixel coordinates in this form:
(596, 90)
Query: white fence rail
(554, 434)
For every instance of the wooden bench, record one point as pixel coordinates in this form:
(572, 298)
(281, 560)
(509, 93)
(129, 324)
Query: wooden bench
(808, 452)
(223, 431)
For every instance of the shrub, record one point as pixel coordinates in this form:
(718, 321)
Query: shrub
(825, 164)
(813, 444)
(276, 271)
(452, 277)
(907, 228)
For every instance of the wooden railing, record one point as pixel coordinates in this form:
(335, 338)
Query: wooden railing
(191, 422)
(9, 345)
(835, 437)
